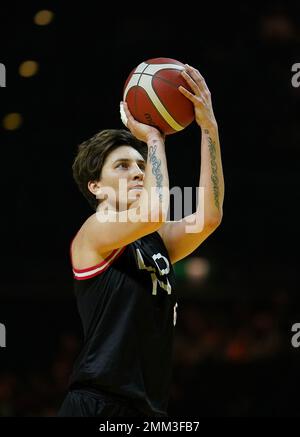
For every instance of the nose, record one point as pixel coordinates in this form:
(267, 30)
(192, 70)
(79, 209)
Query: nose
(138, 174)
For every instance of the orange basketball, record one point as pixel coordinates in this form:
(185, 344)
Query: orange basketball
(152, 95)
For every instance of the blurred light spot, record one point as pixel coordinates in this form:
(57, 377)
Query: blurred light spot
(28, 68)
(12, 121)
(42, 18)
(197, 269)
(277, 28)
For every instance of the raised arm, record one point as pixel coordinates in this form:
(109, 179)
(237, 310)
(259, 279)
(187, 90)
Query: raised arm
(182, 238)
(108, 230)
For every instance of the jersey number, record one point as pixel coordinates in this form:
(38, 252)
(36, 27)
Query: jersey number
(142, 266)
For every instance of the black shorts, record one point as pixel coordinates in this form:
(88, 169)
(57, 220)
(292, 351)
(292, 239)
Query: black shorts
(90, 403)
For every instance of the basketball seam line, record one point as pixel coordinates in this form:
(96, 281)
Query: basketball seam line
(158, 112)
(135, 94)
(162, 103)
(159, 77)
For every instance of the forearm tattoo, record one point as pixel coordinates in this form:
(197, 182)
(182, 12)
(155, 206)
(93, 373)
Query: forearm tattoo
(214, 169)
(156, 170)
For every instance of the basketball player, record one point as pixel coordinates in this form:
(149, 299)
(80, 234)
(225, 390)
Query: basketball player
(123, 275)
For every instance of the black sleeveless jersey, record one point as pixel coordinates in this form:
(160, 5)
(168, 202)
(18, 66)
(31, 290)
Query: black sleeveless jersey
(127, 305)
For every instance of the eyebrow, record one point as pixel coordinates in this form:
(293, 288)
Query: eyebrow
(140, 161)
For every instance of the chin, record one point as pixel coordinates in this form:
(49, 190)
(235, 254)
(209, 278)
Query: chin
(132, 197)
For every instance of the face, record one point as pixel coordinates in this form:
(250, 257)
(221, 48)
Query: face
(123, 175)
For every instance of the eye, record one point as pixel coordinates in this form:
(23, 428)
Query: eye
(122, 165)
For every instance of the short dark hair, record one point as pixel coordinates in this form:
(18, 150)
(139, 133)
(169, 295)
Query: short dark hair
(92, 153)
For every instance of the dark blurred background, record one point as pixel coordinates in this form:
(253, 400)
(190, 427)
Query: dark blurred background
(239, 290)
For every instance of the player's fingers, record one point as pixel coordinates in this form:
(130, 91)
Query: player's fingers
(194, 86)
(194, 99)
(197, 77)
(124, 117)
(130, 121)
(126, 109)
(195, 72)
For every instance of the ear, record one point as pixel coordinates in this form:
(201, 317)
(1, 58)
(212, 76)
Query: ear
(94, 187)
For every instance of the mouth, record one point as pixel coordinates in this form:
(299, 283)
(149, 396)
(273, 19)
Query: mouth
(136, 187)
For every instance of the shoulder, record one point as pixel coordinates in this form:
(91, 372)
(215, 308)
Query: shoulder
(83, 254)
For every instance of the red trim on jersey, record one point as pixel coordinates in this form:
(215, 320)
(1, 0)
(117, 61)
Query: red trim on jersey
(108, 260)
(101, 271)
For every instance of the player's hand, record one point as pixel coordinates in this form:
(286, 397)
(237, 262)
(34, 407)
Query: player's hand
(141, 131)
(201, 97)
